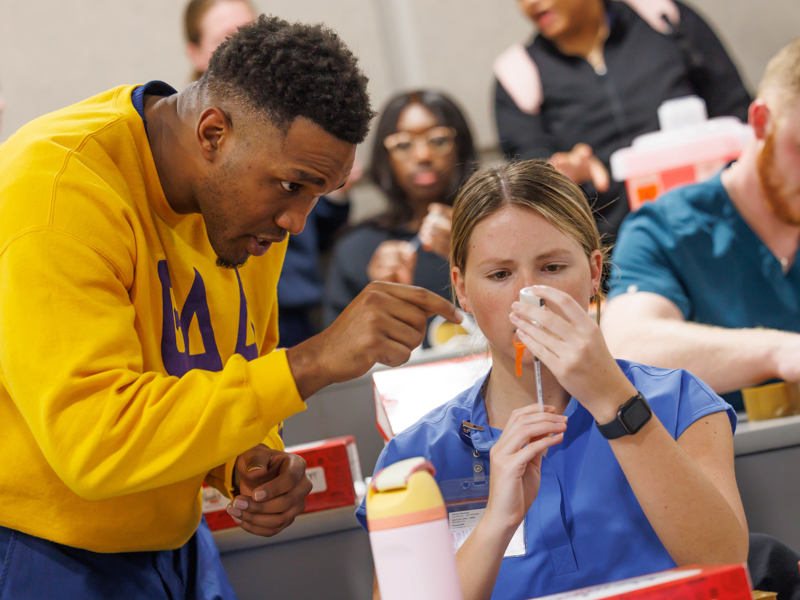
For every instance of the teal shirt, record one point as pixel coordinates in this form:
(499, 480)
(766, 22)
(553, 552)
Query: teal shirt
(693, 248)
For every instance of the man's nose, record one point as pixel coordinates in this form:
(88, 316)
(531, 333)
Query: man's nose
(293, 218)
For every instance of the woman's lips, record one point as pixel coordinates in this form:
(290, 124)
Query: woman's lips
(545, 19)
(257, 247)
(425, 178)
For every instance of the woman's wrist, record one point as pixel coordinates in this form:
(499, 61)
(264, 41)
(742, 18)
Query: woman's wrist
(500, 526)
(605, 410)
(494, 531)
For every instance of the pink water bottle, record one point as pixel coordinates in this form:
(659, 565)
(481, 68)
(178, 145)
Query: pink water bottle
(409, 534)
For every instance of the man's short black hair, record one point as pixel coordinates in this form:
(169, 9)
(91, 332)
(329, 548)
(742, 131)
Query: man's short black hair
(291, 70)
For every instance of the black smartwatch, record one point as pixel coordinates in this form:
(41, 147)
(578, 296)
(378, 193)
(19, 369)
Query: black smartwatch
(631, 417)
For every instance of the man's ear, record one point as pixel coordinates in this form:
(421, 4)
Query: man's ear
(458, 286)
(759, 117)
(213, 130)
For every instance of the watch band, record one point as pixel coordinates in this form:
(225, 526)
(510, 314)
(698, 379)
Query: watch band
(631, 417)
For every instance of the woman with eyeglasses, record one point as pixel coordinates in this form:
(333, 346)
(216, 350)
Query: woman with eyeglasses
(421, 155)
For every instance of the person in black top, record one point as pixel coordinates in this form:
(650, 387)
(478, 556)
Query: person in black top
(422, 153)
(593, 78)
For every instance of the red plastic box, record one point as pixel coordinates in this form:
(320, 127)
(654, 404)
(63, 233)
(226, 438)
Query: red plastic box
(719, 582)
(334, 470)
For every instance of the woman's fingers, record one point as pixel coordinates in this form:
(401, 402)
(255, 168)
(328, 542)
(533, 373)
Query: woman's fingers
(530, 431)
(530, 414)
(539, 346)
(558, 301)
(555, 324)
(539, 447)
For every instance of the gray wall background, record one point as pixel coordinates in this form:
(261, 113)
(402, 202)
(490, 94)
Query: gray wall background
(56, 52)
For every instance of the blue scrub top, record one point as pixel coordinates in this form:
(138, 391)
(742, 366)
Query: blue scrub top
(585, 526)
(694, 248)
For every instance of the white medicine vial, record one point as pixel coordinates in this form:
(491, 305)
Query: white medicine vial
(526, 296)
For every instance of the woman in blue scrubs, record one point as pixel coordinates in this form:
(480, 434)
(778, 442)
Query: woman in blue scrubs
(629, 469)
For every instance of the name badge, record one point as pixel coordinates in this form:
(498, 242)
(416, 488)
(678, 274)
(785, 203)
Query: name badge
(464, 522)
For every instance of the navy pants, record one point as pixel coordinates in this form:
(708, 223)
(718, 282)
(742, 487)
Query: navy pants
(35, 568)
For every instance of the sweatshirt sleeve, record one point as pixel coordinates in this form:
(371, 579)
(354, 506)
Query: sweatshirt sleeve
(72, 363)
(718, 81)
(521, 135)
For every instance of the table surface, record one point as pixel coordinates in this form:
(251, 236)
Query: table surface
(761, 436)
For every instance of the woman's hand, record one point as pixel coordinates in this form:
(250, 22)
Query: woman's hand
(580, 164)
(393, 261)
(570, 344)
(435, 230)
(516, 465)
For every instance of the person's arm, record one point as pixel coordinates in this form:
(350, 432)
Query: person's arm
(686, 488)
(382, 325)
(650, 329)
(73, 364)
(522, 135)
(718, 81)
(516, 462)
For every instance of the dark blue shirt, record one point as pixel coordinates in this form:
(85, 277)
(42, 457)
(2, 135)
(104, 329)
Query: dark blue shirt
(586, 526)
(693, 248)
(151, 88)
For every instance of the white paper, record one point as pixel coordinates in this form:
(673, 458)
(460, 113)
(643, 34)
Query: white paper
(463, 522)
(318, 481)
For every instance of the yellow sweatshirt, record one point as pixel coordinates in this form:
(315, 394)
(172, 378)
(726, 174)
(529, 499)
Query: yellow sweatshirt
(132, 368)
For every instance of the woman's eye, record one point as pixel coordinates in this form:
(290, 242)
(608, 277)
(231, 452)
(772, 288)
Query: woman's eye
(290, 186)
(499, 275)
(404, 146)
(554, 268)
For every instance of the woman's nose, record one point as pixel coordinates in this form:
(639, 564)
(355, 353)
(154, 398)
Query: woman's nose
(421, 151)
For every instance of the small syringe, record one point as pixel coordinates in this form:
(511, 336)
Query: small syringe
(526, 296)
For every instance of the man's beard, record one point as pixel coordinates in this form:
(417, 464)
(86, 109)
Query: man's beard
(226, 264)
(769, 180)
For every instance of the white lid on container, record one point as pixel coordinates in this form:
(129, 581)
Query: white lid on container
(682, 112)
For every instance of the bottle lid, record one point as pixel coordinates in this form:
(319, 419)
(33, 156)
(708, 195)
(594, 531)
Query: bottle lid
(404, 494)
(682, 112)
(526, 296)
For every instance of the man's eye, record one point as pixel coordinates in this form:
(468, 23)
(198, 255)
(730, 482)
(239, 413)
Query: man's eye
(290, 186)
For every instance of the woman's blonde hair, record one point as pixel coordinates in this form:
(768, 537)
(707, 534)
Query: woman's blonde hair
(532, 184)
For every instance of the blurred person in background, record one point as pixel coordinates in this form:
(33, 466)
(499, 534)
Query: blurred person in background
(711, 272)
(206, 25)
(422, 153)
(592, 80)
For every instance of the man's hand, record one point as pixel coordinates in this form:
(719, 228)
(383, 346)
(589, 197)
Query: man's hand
(394, 262)
(384, 323)
(580, 164)
(272, 490)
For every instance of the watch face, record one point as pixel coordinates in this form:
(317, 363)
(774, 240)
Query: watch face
(636, 415)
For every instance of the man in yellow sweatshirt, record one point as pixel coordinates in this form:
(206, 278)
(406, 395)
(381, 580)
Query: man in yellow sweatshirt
(142, 233)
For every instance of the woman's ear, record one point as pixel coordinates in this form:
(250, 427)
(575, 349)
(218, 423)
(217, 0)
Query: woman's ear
(458, 286)
(596, 270)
